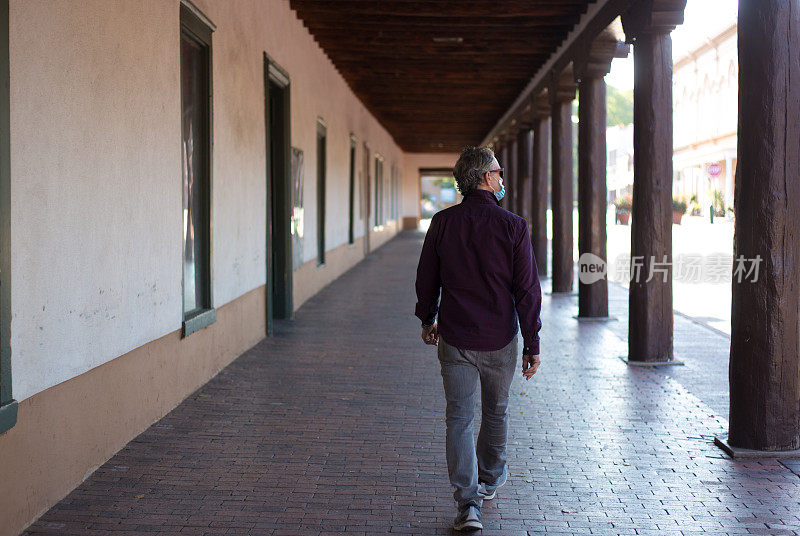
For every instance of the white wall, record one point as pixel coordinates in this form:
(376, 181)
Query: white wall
(95, 184)
(96, 170)
(705, 93)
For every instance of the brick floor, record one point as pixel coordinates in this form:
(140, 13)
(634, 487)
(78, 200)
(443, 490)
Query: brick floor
(336, 425)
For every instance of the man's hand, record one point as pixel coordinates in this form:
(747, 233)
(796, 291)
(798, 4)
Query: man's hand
(430, 335)
(530, 364)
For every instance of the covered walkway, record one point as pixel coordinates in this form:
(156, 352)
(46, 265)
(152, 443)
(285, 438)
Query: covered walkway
(335, 425)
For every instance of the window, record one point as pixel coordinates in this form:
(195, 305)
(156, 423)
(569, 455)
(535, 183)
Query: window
(378, 190)
(321, 134)
(198, 311)
(366, 196)
(351, 201)
(396, 204)
(8, 406)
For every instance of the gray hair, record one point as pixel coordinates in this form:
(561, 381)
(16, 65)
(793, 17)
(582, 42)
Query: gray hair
(473, 163)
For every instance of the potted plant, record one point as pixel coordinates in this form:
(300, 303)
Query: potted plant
(678, 210)
(623, 207)
(695, 206)
(719, 203)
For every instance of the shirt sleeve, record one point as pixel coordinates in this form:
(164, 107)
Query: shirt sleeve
(428, 281)
(527, 289)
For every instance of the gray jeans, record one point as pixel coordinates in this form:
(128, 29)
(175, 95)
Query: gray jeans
(462, 370)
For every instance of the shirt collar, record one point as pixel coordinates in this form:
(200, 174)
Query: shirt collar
(480, 196)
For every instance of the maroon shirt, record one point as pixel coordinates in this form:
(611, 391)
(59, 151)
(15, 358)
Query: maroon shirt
(480, 255)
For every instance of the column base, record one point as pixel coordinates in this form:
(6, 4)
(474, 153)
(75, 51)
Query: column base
(410, 222)
(595, 318)
(739, 453)
(649, 364)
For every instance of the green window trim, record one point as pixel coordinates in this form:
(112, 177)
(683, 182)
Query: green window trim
(8, 406)
(196, 28)
(204, 318)
(8, 416)
(322, 171)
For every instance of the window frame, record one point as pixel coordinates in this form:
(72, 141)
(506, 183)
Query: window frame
(278, 200)
(8, 406)
(195, 26)
(379, 192)
(351, 223)
(395, 192)
(322, 179)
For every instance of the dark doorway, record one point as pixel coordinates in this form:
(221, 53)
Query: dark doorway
(351, 232)
(366, 193)
(378, 190)
(279, 248)
(321, 170)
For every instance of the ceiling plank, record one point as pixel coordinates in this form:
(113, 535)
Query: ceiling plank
(432, 95)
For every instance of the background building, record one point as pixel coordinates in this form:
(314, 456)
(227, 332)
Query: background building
(619, 160)
(705, 92)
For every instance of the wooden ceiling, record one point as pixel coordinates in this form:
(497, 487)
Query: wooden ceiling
(438, 74)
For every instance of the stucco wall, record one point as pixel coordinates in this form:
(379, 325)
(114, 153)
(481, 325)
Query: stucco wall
(95, 183)
(96, 170)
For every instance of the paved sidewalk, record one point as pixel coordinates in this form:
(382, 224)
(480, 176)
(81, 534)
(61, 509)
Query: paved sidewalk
(336, 425)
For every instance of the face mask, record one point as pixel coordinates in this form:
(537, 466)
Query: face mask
(500, 194)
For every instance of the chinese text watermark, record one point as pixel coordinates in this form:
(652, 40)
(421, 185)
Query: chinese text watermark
(686, 268)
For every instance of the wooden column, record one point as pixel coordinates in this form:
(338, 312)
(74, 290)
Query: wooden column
(501, 154)
(765, 356)
(540, 194)
(561, 96)
(648, 25)
(592, 193)
(511, 173)
(524, 172)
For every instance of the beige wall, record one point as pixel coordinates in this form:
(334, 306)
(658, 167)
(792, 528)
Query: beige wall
(337, 261)
(95, 184)
(64, 433)
(96, 170)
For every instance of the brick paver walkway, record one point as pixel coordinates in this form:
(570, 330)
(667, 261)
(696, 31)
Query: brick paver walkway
(336, 425)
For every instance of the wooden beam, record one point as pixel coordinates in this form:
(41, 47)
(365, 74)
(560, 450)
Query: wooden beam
(439, 9)
(394, 46)
(595, 61)
(390, 53)
(450, 24)
(597, 17)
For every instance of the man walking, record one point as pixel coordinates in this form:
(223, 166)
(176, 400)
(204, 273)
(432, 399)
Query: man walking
(480, 256)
